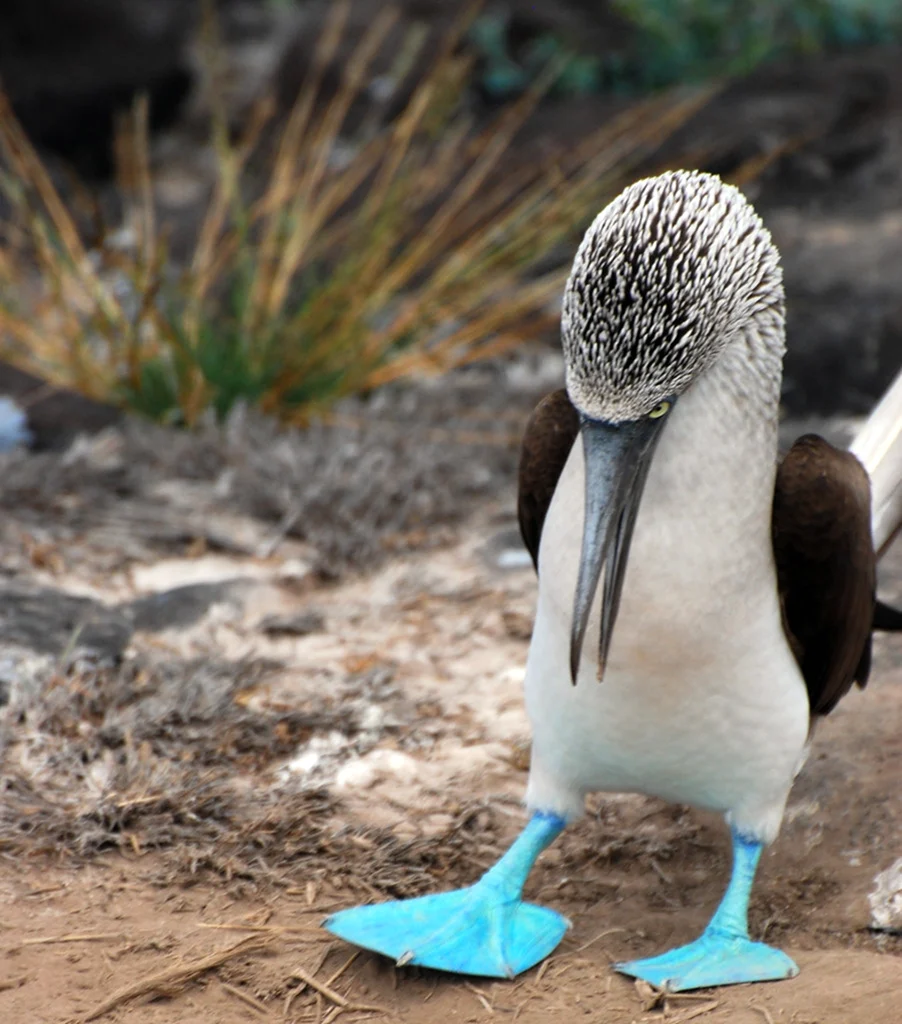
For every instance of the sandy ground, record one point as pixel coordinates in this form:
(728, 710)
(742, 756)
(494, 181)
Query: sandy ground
(427, 653)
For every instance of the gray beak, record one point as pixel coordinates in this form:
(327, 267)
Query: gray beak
(617, 459)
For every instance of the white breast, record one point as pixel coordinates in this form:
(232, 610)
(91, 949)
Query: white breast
(702, 701)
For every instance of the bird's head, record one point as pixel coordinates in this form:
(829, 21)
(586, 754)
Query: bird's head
(672, 271)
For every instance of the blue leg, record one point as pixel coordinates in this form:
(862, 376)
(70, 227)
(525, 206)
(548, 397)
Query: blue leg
(724, 954)
(484, 929)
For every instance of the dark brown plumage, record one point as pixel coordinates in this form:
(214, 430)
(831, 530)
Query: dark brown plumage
(826, 566)
(550, 432)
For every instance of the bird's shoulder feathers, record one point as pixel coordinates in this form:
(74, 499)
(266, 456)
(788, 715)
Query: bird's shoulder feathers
(550, 432)
(826, 566)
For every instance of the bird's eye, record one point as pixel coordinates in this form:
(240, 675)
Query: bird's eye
(659, 410)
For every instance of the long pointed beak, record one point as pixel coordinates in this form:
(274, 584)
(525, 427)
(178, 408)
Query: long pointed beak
(617, 459)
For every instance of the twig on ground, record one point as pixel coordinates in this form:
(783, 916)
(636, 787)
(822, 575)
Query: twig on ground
(681, 997)
(574, 952)
(295, 992)
(522, 1003)
(334, 997)
(295, 931)
(654, 998)
(592, 941)
(246, 998)
(44, 890)
(763, 1010)
(697, 1012)
(165, 981)
(650, 996)
(343, 968)
(11, 983)
(660, 872)
(46, 940)
(480, 995)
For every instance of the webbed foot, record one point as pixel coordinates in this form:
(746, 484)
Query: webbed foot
(717, 958)
(485, 929)
(469, 931)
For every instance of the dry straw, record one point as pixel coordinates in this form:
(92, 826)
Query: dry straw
(416, 255)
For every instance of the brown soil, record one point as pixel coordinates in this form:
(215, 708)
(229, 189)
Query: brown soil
(74, 941)
(425, 656)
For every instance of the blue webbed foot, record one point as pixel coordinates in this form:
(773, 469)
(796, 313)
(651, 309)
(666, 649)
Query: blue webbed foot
(724, 954)
(717, 958)
(484, 929)
(469, 931)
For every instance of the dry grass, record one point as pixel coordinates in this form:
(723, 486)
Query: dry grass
(437, 452)
(411, 256)
(157, 756)
(171, 979)
(145, 756)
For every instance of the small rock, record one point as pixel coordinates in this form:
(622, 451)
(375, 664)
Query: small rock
(51, 417)
(179, 607)
(377, 766)
(301, 624)
(514, 558)
(51, 621)
(173, 573)
(886, 900)
(357, 774)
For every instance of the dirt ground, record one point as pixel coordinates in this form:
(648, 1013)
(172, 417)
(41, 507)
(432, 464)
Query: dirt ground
(417, 787)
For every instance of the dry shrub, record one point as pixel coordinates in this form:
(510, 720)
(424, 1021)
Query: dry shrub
(397, 251)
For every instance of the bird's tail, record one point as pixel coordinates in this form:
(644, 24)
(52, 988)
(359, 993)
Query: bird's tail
(887, 618)
(878, 445)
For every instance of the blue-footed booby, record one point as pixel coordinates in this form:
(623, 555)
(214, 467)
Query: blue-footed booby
(700, 603)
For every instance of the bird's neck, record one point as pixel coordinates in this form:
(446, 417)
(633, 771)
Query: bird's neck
(710, 489)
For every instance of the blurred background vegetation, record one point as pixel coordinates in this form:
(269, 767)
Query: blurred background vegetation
(284, 203)
(673, 41)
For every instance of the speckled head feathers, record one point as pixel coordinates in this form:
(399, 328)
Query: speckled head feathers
(669, 273)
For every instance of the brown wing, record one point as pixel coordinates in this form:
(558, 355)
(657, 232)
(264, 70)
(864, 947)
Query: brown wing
(550, 432)
(826, 567)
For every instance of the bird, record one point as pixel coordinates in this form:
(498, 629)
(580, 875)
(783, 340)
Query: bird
(702, 602)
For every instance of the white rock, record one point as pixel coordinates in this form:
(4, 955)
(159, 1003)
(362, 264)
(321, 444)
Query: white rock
(358, 774)
(886, 899)
(377, 766)
(514, 558)
(312, 755)
(514, 674)
(179, 572)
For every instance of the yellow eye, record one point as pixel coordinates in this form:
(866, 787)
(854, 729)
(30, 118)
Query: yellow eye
(659, 411)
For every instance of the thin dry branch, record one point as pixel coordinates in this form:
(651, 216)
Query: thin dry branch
(288, 155)
(7, 984)
(329, 993)
(46, 940)
(164, 981)
(246, 998)
(696, 1011)
(295, 931)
